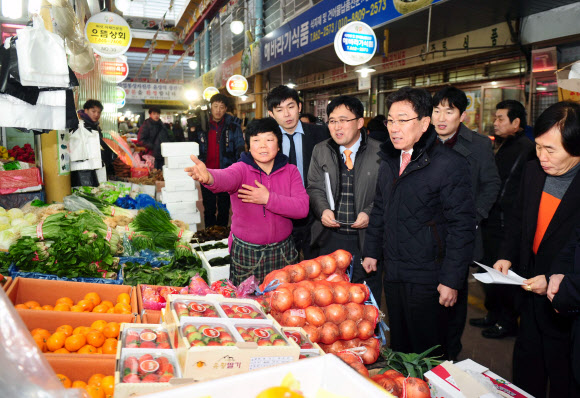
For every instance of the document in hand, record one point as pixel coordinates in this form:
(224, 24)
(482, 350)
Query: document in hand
(495, 276)
(328, 187)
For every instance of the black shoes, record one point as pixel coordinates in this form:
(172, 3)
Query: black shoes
(498, 332)
(484, 322)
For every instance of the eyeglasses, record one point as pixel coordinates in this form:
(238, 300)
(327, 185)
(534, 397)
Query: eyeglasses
(401, 123)
(340, 122)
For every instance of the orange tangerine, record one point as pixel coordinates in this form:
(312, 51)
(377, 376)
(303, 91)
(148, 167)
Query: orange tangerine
(124, 298)
(66, 329)
(81, 330)
(77, 308)
(110, 346)
(94, 297)
(32, 304)
(108, 385)
(64, 380)
(48, 307)
(75, 342)
(95, 391)
(55, 341)
(87, 349)
(40, 342)
(21, 307)
(43, 332)
(108, 303)
(62, 307)
(61, 351)
(65, 300)
(95, 338)
(101, 309)
(95, 379)
(111, 310)
(86, 304)
(122, 308)
(99, 325)
(78, 384)
(112, 330)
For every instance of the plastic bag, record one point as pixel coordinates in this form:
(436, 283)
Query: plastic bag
(74, 203)
(247, 287)
(224, 287)
(25, 371)
(198, 286)
(155, 297)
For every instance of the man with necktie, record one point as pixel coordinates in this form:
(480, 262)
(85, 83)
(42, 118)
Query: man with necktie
(298, 140)
(422, 225)
(349, 161)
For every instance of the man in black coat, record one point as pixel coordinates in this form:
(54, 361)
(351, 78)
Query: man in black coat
(449, 105)
(298, 141)
(422, 224)
(514, 151)
(536, 233)
(152, 134)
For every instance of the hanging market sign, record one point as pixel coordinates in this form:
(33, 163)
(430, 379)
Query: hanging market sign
(120, 97)
(317, 26)
(231, 66)
(153, 91)
(355, 43)
(116, 71)
(237, 85)
(109, 34)
(210, 92)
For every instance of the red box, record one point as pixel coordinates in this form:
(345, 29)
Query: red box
(13, 180)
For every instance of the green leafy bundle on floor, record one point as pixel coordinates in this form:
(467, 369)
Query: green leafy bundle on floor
(413, 365)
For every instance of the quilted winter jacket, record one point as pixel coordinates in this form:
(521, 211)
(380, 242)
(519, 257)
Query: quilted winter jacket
(423, 222)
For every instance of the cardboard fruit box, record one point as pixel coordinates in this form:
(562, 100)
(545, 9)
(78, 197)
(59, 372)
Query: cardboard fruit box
(76, 367)
(214, 346)
(6, 285)
(46, 292)
(301, 338)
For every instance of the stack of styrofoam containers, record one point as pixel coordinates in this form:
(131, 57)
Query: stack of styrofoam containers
(180, 194)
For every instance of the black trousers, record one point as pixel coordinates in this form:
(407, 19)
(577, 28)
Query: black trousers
(539, 357)
(301, 233)
(350, 243)
(417, 320)
(457, 320)
(213, 202)
(159, 163)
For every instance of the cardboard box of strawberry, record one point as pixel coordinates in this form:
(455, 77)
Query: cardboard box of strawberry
(148, 368)
(242, 311)
(195, 309)
(299, 339)
(262, 335)
(146, 338)
(208, 335)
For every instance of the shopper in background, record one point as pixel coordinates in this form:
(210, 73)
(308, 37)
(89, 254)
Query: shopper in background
(449, 106)
(377, 129)
(298, 140)
(546, 217)
(514, 152)
(178, 134)
(422, 225)
(220, 146)
(152, 134)
(266, 193)
(308, 118)
(349, 160)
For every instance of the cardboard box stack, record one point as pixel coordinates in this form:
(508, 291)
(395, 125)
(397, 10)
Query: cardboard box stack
(180, 194)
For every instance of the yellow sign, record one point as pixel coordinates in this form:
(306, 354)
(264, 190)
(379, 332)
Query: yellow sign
(164, 102)
(109, 34)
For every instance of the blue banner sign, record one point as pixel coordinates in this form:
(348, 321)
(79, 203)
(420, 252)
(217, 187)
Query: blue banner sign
(358, 43)
(317, 26)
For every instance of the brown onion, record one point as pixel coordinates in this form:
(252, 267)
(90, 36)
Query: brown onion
(323, 297)
(371, 314)
(315, 316)
(343, 259)
(313, 332)
(281, 275)
(328, 264)
(357, 295)
(307, 284)
(329, 333)
(296, 273)
(366, 330)
(312, 268)
(281, 300)
(333, 348)
(341, 294)
(354, 311)
(415, 388)
(293, 318)
(359, 367)
(335, 313)
(348, 330)
(302, 298)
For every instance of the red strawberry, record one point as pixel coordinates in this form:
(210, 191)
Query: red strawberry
(131, 378)
(131, 366)
(148, 344)
(165, 378)
(162, 337)
(164, 345)
(165, 367)
(150, 378)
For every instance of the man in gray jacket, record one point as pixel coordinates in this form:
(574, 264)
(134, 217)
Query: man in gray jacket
(449, 106)
(350, 162)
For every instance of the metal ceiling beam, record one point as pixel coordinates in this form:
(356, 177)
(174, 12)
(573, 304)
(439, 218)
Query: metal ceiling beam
(208, 14)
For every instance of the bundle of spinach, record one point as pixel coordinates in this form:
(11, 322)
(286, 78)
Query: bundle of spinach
(153, 229)
(183, 266)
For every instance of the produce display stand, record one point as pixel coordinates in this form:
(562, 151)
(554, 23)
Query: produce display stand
(77, 368)
(327, 373)
(16, 273)
(210, 362)
(213, 273)
(48, 291)
(7, 283)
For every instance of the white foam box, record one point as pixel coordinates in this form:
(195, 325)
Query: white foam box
(178, 162)
(174, 174)
(325, 376)
(185, 207)
(188, 218)
(172, 149)
(179, 196)
(213, 273)
(443, 385)
(180, 185)
(202, 363)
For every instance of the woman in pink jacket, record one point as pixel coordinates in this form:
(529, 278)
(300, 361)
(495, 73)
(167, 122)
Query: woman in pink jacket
(266, 193)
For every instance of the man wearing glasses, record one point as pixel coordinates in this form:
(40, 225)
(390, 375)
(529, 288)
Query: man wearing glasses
(422, 225)
(341, 185)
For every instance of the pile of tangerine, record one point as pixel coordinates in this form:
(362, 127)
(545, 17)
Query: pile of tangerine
(90, 303)
(98, 385)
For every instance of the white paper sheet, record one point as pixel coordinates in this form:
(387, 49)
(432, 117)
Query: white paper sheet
(329, 196)
(495, 276)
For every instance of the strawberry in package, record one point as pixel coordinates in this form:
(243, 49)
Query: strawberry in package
(155, 297)
(225, 288)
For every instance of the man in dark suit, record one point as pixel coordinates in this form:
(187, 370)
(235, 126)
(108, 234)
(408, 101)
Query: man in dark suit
(449, 105)
(298, 140)
(546, 217)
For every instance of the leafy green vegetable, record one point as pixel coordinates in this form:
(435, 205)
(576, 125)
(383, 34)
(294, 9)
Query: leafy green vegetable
(154, 223)
(413, 365)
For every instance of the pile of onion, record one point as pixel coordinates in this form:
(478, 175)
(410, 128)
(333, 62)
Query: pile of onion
(368, 349)
(401, 386)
